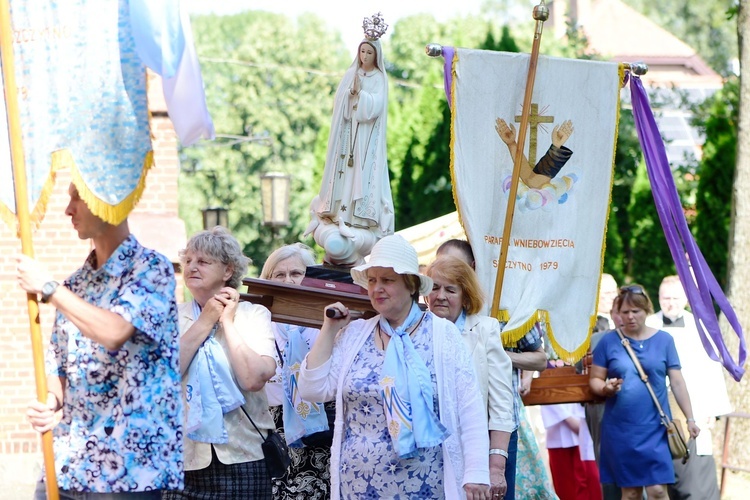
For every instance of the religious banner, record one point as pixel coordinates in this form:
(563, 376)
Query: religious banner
(81, 82)
(557, 239)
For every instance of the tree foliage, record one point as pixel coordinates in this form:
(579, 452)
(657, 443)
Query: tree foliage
(267, 78)
(273, 79)
(618, 254)
(424, 189)
(718, 120)
(648, 245)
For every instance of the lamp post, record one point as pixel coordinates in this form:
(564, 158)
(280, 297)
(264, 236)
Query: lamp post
(215, 216)
(274, 196)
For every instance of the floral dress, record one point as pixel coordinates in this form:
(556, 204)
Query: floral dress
(532, 480)
(370, 467)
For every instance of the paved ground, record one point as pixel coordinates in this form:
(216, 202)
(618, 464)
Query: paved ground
(18, 473)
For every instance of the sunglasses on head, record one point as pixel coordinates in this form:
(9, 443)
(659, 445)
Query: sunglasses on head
(637, 289)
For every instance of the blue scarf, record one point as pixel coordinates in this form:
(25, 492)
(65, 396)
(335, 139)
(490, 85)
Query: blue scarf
(210, 390)
(406, 388)
(301, 418)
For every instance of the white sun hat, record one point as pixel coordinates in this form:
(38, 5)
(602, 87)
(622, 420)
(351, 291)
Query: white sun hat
(395, 252)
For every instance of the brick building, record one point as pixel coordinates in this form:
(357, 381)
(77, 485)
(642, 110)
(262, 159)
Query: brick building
(154, 222)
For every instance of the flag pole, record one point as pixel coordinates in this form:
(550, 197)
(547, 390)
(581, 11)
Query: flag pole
(24, 229)
(541, 14)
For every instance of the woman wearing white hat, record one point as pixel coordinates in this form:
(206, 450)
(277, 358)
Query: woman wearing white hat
(410, 419)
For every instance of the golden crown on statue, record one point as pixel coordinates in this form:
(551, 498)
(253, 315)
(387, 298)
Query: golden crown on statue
(374, 26)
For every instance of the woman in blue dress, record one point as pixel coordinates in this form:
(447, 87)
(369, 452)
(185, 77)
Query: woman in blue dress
(634, 449)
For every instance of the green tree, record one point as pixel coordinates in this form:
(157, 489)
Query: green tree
(422, 163)
(738, 272)
(402, 199)
(651, 257)
(619, 254)
(433, 189)
(718, 120)
(266, 77)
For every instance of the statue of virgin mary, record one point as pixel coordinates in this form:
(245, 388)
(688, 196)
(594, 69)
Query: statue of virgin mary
(355, 192)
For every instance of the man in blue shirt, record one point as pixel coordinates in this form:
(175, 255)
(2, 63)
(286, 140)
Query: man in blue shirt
(112, 365)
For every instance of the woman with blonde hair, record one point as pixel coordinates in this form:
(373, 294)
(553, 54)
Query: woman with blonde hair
(457, 296)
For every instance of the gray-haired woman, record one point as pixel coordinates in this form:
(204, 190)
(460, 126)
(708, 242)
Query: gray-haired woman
(304, 424)
(226, 357)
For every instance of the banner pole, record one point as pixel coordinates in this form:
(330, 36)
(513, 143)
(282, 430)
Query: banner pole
(541, 14)
(24, 228)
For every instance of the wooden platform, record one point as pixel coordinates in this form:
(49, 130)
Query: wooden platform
(560, 385)
(303, 305)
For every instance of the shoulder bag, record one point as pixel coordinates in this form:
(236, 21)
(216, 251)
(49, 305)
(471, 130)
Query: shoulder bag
(275, 450)
(675, 436)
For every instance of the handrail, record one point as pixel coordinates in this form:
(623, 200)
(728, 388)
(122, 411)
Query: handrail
(725, 450)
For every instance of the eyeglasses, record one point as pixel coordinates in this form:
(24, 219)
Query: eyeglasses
(281, 276)
(636, 289)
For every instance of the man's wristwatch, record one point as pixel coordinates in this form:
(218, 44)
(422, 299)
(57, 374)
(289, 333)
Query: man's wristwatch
(48, 289)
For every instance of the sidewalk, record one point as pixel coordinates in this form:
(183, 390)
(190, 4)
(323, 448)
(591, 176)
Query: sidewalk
(18, 475)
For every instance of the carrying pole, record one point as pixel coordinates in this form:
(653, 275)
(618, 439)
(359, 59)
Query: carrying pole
(541, 14)
(24, 228)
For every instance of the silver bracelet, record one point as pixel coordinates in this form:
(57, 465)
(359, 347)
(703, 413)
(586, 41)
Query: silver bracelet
(498, 451)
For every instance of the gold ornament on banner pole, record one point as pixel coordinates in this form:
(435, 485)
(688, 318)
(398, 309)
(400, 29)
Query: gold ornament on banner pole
(540, 14)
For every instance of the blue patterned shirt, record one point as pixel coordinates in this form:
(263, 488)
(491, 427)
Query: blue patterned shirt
(530, 342)
(121, 428)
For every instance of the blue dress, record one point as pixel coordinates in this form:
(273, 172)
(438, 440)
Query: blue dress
(634, 449)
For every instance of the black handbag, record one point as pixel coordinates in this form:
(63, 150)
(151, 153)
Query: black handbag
(323, 439)
(275, 451)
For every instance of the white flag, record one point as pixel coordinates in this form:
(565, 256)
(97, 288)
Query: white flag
(557, 239)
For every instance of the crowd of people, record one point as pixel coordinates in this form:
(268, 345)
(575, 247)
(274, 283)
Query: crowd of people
(151, 399)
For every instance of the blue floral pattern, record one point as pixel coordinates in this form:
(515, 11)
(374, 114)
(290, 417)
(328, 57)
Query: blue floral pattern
(121, 428)
(370, 468)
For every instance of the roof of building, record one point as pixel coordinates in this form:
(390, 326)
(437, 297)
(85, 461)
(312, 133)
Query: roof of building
(618, 32)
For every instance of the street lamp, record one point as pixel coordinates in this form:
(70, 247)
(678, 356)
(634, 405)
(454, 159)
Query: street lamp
(274, 196)
(215, 216)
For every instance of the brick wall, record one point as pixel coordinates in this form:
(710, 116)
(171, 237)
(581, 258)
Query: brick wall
(57, 245)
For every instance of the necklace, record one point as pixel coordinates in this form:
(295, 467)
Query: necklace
(639, 342)
(382, 340)
(410, 331)
(352, 143)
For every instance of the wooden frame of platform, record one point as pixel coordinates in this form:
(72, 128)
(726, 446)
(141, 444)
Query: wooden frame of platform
(304, 305)
(560, 385)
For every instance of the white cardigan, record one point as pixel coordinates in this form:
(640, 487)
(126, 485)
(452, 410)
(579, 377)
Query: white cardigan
(465, 451)
(494, 370)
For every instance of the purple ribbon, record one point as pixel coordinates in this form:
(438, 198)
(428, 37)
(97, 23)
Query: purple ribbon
(448, 72)
(700, 285)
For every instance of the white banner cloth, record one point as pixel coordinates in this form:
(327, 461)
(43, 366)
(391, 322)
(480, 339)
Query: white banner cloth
(556, 244)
